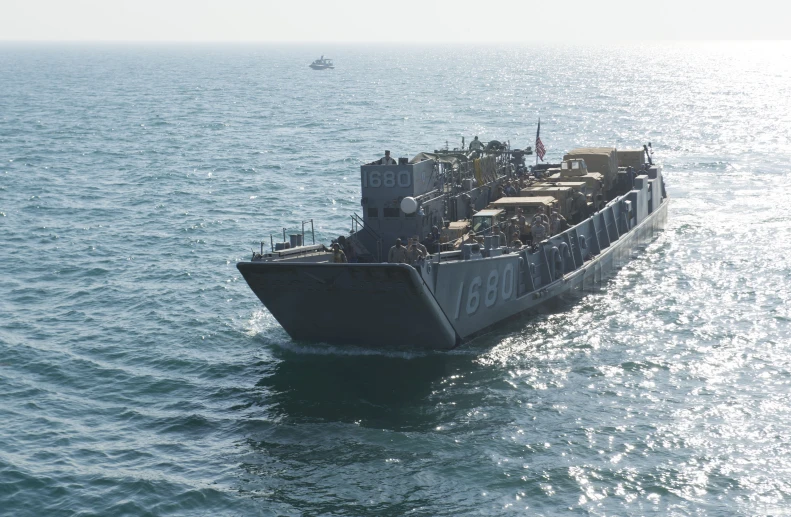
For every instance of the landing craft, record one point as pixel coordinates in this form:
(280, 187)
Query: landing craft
(453, 200)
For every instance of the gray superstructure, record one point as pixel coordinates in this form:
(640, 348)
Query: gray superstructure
(453, 294)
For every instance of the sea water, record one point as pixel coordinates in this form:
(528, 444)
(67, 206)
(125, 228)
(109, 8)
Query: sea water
(140, 376)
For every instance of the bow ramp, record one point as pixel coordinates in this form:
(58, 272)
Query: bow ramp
(361, 304)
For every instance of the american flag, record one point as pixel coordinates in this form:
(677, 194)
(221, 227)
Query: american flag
(540, 151)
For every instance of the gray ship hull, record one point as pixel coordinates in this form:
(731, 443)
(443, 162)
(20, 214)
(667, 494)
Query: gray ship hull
(446, 300)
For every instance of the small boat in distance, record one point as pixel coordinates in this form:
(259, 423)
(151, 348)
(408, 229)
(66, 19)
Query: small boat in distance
(322, 64)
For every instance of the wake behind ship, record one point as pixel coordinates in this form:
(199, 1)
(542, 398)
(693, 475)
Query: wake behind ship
(457, 202)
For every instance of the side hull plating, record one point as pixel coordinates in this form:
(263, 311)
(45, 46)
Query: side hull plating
(477, 298)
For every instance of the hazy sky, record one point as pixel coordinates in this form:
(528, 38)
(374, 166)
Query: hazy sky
(391, 21)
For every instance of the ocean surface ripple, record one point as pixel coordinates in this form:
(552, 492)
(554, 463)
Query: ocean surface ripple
(140, 376)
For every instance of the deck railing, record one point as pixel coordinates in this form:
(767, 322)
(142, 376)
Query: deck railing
(359, 224)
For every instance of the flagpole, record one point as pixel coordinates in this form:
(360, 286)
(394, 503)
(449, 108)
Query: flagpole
(536, 143)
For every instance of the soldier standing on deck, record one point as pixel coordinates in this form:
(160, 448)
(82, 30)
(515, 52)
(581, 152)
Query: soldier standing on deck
(415, 251)
(385, 160)
(397, 254)
(338, 256)
(512, 227)
(539, 229)
(521, 221)
(515, 244)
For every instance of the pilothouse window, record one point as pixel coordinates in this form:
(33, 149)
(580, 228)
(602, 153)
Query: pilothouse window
(391, 212)
(373, 212)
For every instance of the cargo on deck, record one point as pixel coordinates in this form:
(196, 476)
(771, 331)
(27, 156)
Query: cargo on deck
(603, 160)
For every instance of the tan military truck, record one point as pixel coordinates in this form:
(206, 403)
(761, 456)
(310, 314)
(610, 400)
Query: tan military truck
(563, 195)
(530, 205)
(603, 160)
(631, 158)
(576, 170)
(501, 211)
(580, 186)
(455, 232)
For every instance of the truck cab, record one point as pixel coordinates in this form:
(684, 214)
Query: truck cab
(563, 196)
(484, 220)
(575, 170)
(574, 167)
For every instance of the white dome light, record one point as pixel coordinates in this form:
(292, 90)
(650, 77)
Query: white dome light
(408, 205)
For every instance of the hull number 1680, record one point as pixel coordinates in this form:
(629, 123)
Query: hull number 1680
(387, 179)
(490, 290)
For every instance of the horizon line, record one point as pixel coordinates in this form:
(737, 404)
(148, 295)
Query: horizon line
(402, 42)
